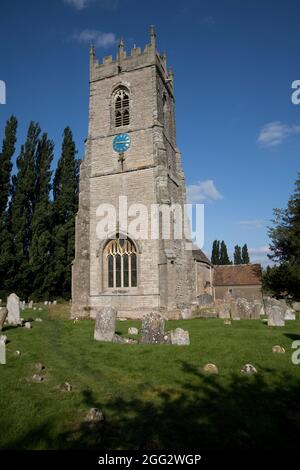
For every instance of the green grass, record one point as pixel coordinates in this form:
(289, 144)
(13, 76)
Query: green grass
(153, 397)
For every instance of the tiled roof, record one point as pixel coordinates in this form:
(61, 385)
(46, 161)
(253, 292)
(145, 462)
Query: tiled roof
(238, 275)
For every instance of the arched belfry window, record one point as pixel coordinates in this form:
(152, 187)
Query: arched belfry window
(121, 263)
(121, 107)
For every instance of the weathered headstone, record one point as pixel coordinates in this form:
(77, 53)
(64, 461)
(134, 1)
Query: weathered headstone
(275, 315)
(186, 313)
(13, 307)
(290, 314)
(3, 339)
(153, 329)
(27, 325)
(248, 369)
(255, 311)
(123, 340)
(105, 324)
(224, 310)
(278, 349)
(296, 306)
(3, 315)
(210, 369)
(180, 337)
(94, 415)
(234, 311)
(204, 299)
(66, 387)
(133, 331)
(244, 309)
(37, 378)
(30, 305)
(54, 302)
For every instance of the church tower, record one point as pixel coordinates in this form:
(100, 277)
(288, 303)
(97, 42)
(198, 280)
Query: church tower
(131, 153)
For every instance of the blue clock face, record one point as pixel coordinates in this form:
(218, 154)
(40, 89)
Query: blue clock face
(121, 143)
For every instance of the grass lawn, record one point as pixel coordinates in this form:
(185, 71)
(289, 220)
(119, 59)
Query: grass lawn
(153, 397)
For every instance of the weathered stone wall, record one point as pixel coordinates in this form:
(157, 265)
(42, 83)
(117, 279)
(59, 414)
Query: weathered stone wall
(246, 292)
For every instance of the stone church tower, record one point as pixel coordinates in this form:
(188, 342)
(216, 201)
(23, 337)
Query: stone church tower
(131, 151)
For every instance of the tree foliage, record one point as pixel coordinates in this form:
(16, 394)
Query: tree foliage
(37, 224)
(285, 248)
(237, 255)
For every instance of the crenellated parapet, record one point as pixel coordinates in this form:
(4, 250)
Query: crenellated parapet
(124, 62)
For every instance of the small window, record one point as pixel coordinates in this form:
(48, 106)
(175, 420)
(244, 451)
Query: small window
(121, 108)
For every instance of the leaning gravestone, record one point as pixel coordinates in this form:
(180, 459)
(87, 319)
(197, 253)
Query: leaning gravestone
(180, 337)
(275, 315)
(153, 329)
(13, 307)
(3, 315)
(105, 324)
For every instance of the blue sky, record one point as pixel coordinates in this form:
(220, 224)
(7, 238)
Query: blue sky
(234, 63)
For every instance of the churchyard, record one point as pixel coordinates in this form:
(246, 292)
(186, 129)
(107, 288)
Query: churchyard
(63, 389)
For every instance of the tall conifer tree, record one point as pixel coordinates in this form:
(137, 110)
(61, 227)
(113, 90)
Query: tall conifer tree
(237, 256)
(245, 255)
(40, 249)
(224, 258)
(65, 194)
(6, 242)
(215, 255)
(22, 208)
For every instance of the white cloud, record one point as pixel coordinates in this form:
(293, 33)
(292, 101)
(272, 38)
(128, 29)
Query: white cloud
(274, 133)
(255, 223)
(78, 4)
(97, 38)
(260, 255)
(82, 4)
(203, 191)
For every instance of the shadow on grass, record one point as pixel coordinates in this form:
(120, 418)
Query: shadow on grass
(292, 336)
(246, 413)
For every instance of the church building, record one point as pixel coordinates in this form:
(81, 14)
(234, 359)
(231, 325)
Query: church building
(131, 152)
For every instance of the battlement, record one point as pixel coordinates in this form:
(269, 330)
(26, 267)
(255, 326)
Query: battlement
(137, 58)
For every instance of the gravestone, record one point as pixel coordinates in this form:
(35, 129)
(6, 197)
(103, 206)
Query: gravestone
(180, 337)
(30, 305)
(133, 331)
(275, 315)
(224, 310)
(3, 315)
(204, 299)
(244, 309)
(210, 369)
(248, 369)
(255, 311)
(296, 306)
(290, 314)
(13, 307)
(105, 324)
(278, 349)
(153, 329)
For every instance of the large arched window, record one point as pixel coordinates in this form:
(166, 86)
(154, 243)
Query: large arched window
(121, 262)
(121, 107)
